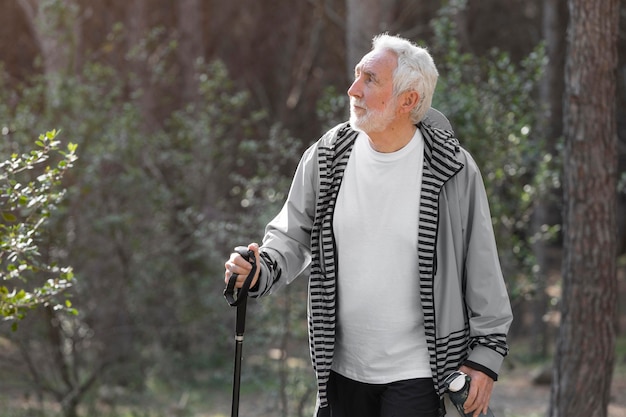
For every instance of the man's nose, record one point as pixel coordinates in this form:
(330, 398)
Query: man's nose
(355, 89)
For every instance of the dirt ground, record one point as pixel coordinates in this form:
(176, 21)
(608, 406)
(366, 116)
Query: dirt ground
(515, 395)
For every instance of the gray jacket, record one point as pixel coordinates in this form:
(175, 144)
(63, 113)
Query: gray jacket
(466, 308)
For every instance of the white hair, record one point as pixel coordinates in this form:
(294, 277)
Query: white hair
(416, 71)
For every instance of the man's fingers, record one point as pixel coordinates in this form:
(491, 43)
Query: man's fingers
(480, 391)
(478, 404)
(236, 264)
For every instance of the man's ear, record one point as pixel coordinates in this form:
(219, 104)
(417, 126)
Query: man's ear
(409, 101)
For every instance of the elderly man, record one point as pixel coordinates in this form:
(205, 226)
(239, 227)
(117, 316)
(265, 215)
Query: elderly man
(389, 218)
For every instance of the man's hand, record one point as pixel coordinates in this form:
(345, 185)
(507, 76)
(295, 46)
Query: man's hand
(236, 264)
(480, 392)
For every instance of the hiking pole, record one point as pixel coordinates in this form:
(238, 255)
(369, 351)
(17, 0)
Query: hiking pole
(239, 300)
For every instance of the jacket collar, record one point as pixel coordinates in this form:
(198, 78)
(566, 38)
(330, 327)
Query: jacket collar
(440, 152)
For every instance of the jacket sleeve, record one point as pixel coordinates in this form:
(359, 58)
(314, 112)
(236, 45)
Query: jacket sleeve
(286, 249)
(486, 298)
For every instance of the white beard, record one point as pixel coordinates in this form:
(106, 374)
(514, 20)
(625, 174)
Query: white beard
(373, 121)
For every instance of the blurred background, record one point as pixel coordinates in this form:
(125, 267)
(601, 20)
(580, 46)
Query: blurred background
(190, 117)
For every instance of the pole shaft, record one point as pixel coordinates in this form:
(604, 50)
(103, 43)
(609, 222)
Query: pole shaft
(237, 377)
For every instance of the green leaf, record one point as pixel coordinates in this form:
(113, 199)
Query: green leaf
(9, 217)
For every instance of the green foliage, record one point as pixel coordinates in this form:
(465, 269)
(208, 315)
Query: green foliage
(162, 192)
(332, 107)
(30, 190)
(491, 104)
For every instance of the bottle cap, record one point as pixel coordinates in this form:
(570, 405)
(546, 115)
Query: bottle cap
(458, 383)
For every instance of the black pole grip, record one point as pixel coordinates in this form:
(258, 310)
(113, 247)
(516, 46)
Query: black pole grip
(233, 297)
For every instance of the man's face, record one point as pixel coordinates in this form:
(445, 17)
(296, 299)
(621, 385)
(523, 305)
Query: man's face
(373, 106)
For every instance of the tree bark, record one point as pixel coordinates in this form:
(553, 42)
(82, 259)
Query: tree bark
(585, 348)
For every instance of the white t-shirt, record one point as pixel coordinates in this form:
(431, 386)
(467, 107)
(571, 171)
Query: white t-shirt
(380, 328)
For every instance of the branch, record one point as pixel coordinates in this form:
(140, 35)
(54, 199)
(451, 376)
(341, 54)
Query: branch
(78, 391)
(30, 10)
(330, 14)
(37, 378)
(307, 62)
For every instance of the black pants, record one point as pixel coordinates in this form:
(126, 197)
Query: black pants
(408, 398)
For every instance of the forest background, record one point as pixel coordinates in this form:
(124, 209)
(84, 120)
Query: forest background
(189, 118)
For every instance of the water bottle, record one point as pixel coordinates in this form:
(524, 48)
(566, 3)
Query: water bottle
(458, 384)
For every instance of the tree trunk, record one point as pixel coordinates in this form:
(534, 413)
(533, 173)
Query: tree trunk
(55, 26)
(364, 20)
(190, 45)
(138, 27)
(554, 27)
(552, 87)
(585, 348)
